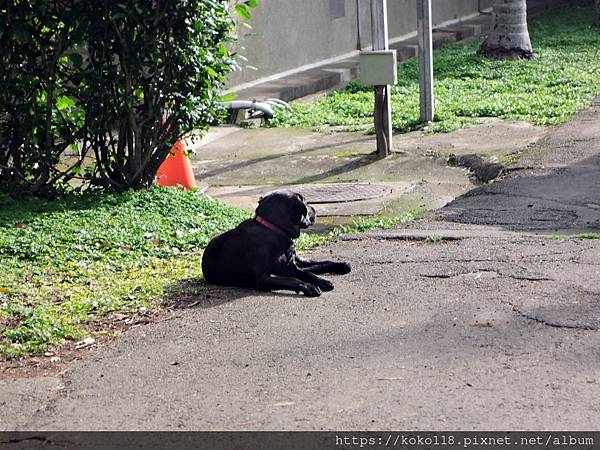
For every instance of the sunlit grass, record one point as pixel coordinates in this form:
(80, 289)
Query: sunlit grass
(548, 90)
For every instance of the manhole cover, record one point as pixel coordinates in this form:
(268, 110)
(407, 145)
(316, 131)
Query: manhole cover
(341, 192)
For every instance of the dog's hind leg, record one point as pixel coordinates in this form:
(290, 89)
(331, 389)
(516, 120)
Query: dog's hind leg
(310, 277)
(317, 267)
(271, 282)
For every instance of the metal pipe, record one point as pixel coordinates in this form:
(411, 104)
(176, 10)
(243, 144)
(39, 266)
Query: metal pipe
(278, 103)
(235, 106)
(379, 24)
(424, 26)
(358, 25)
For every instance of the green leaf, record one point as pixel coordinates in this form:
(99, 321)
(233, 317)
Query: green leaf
(242, 10)
(229, 97)
(64, 102)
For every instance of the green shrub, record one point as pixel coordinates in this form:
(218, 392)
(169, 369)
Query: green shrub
(36, 123)
(117, 82)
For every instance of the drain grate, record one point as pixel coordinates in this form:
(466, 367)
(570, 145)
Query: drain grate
(341, 192)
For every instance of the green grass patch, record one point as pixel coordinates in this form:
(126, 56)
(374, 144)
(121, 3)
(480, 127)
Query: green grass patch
(310, 240)
(580, 236)
(548, 90)
(434, 239)
(67, 266)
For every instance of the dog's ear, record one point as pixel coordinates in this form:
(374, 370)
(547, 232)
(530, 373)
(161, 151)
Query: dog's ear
(305, 220)
(284, 209)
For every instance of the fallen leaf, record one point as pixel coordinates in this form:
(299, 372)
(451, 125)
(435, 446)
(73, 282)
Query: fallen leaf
(48, 354)
(18, 225)
(88, 341)
(120, 316)
(4, 290)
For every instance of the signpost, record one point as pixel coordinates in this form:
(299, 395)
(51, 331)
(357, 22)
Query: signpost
(424, 30)
(378, 68)
(383, 108)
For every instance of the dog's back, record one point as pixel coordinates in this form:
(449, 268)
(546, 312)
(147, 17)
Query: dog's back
(220, 261)
(232, 258)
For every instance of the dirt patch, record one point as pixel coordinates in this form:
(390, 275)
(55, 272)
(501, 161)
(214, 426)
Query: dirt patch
(57, 360)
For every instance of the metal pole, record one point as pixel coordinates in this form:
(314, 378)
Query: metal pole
(383, 107)
(358, 26)
(425, 60)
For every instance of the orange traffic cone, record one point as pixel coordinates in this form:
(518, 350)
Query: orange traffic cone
(176, 169)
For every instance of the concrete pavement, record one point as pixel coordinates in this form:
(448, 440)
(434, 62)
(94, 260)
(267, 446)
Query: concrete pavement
(239, 165)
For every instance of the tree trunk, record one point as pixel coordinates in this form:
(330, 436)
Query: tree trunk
(597, 21)
(509, 38)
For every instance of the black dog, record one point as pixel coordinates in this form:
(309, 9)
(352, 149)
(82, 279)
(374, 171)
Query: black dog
(259, 253)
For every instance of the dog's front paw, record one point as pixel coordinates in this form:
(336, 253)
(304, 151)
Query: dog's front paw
(342, 268)
(325, 285)
(311, 290)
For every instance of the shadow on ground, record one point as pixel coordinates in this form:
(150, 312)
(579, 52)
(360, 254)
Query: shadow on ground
(285, 153)
(197, 293)
(562, 199)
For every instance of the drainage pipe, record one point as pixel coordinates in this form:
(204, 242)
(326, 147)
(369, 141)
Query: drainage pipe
(237, 105)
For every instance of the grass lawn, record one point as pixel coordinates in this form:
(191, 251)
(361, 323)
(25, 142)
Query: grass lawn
(67, 265)
(562, 79)
(69, 269)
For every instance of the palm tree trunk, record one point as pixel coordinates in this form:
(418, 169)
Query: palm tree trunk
(509, 38)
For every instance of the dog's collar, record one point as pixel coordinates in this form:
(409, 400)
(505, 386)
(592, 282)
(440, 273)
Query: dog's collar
(271, 226)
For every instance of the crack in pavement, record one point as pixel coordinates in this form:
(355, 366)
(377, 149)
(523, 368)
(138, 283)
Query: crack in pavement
(527, 316)
(433, 239)
(497, 272)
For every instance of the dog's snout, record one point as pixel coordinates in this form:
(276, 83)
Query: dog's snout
(312, 215)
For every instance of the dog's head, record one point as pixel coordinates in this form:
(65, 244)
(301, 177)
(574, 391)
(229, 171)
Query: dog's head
(287, 210)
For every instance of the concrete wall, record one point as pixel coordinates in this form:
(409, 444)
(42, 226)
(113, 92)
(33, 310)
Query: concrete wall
(287, 34)
(485, 4)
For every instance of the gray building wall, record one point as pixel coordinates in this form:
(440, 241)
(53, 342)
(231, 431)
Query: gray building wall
(287, 34)
(485, 4)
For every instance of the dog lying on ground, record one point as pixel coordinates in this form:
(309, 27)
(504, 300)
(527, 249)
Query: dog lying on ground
(259, 253)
